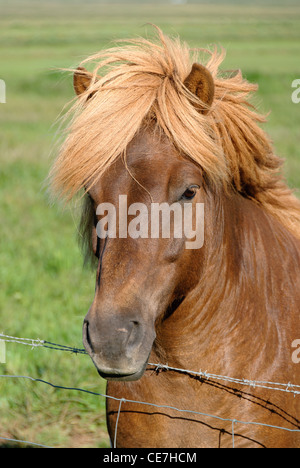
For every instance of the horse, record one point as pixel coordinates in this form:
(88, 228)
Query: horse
(162, 123)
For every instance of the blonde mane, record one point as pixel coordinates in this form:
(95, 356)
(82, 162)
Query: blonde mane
(141, 81)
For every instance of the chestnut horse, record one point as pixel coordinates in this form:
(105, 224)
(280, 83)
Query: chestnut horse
(153, 123)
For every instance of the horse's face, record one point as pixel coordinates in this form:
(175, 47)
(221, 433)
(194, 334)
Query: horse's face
(140, 281)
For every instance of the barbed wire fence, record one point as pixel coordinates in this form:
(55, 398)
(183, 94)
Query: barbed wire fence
(203, 375)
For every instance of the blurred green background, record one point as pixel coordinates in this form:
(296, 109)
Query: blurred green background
(45, 291)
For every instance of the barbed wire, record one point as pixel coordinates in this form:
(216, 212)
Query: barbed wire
(155, 405)
(269, 385)
(34, 343)
(27, 442)
(282, 387)
(23, 341)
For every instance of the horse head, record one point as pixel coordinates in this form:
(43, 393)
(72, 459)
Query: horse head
(142, 277)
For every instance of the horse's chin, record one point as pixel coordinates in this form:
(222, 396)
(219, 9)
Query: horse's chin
(119, 375)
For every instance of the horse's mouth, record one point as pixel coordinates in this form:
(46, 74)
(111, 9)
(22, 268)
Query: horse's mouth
(122, 376)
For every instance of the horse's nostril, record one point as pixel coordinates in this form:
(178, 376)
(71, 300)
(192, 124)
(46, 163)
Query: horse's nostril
(111, 338)
(86, 337)
(133, 332)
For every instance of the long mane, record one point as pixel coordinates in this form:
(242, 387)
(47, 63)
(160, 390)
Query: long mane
(139, 82)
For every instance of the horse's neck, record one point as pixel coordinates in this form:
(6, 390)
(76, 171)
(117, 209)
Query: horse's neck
(252, 258)
(246, 290)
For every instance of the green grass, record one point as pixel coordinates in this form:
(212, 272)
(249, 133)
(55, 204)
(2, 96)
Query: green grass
(45, 292)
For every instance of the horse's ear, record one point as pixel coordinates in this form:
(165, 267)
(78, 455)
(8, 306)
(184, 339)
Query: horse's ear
(200, 82)
(81, 80)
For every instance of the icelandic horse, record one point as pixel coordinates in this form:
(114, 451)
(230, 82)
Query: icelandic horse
(163, 124)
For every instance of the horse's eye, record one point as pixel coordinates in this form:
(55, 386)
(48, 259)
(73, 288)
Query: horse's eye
(190, 193)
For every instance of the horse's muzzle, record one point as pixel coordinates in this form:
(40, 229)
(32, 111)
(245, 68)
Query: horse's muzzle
(117, 348)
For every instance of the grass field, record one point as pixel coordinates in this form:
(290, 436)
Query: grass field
(45, 291)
